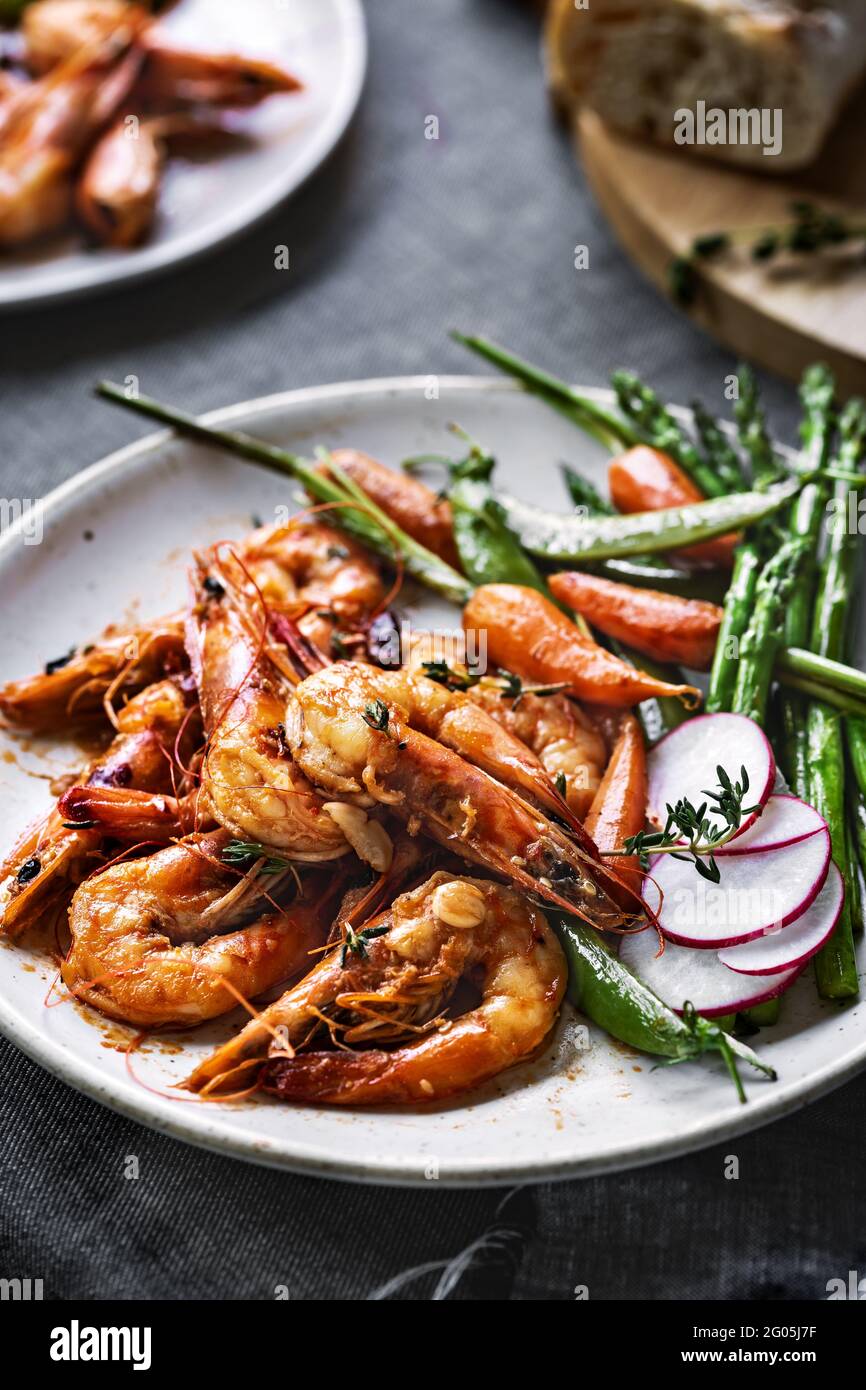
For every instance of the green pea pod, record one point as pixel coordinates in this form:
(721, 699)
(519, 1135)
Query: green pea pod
(582, 540)
(611, 995)
(488, 550)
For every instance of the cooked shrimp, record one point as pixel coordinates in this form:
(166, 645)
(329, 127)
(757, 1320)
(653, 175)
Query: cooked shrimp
(46, 129)
(566, 743)
(53, 29)
(162, 940)
(249, 781)
(448, 929)
(117, 192)
(180, 77)
(118, 189)
(354, 733)
(81, 686)
(47, 863)
(309, 572)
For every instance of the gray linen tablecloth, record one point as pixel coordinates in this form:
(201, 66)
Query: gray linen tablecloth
(396, 241)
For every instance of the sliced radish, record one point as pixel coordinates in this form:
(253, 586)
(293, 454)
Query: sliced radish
(681, 976)
(756, 893)
(785, 820)
(792, 946)
(683, 764)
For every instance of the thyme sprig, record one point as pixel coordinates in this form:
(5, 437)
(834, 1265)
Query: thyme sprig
(510, 686)
(810, 231)
(358, 941)
(244, 854)
(689, 833)
(377, 716)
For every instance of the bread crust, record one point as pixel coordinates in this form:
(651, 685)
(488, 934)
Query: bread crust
(639, 62)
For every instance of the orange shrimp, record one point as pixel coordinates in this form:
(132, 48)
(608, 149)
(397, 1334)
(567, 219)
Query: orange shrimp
(385, 1004)
(443, 767)
(79, 688)
(43, 868)
(172, 75)
(48, 126)
(167, 939)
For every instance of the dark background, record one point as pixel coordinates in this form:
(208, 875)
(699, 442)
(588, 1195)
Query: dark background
(397, 240)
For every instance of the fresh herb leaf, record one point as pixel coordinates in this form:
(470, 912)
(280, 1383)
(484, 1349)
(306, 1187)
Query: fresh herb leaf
(376, 715)
(59, 662)
(688, 831)
(357, 942)
(244, 854)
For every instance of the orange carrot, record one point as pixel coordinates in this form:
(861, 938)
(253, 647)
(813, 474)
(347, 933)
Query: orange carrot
(527, 634)
(619, 806)
(647, 480)
(410, 503)
(663, 626)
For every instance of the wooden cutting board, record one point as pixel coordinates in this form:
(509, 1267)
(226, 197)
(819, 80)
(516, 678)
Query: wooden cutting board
(782, 316)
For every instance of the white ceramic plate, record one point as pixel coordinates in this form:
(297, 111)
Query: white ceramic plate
(573, 1111)
(207, 202)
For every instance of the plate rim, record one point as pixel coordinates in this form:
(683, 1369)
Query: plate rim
(313, 1159)
(159, 259)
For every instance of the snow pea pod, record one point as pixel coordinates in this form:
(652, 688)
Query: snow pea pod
(489, 552)
(609, 994)
(580, 540)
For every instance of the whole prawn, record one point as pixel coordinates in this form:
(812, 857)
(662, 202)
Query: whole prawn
(386, 1009)
(47, 127)
(249, 782)
(82, 686)
(43, 868)
(568, 745)
(355, 734)
(175, 937)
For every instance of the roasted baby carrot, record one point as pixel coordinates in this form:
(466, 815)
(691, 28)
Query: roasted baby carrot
(683, 631)
(407, 501)
(618, 809)
(527, 634)
(647, 480)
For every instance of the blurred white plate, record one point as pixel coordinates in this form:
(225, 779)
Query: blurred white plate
(205, 203)
(116, 540)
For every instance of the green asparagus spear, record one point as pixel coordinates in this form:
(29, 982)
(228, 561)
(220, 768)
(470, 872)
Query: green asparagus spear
(739, 602)
(587, 414)
(752, 430)
(662, 431)
(827, 591)
(719, 452)
(764, 632)
(835, 965)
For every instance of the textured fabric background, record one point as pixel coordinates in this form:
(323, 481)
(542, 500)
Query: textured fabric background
(398, 240)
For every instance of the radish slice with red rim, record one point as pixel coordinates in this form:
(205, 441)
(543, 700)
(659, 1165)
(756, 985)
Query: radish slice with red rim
(756, 893)
(683, 764)
(790, 947)
(785, 820)
(680, 976)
